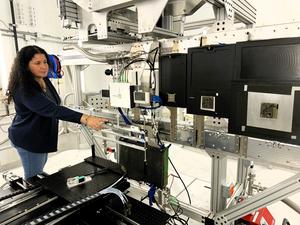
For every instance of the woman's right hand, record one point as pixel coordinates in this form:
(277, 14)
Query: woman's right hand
(93, 121)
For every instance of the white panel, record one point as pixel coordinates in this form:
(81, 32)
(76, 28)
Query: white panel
(285, 111)
(120, 95)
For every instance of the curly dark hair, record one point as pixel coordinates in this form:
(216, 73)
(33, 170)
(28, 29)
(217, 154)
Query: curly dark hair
(20, 74)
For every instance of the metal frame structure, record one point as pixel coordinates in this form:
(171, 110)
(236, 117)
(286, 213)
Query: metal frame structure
(115, 21)
(219, 145)
(276, 193)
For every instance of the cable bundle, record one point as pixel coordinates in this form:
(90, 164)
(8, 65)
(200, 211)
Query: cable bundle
(54, 67)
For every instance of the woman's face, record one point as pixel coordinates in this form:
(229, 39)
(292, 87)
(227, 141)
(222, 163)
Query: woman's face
(38, 65)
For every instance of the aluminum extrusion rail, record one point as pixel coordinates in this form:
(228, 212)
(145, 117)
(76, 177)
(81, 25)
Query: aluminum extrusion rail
(273, 194)
(23, 213)
(243, 10)
(120, 142)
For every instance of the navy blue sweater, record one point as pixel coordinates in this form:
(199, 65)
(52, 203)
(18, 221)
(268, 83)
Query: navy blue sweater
(35, 126)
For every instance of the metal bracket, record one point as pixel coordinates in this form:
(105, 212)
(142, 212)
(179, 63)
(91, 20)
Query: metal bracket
(199, 130)
(224, 21)
(95, 12)
(229, 10)
(276, 193)
(222, 141)
(218, 182)
(149, 13)
(173, 124)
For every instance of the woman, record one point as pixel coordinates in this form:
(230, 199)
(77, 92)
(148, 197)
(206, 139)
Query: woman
(34, 130)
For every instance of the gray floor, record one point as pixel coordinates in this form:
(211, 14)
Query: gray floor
(194, 167)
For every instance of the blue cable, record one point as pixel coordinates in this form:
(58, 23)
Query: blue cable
(155, 99)
(151, 194)
(126, 120)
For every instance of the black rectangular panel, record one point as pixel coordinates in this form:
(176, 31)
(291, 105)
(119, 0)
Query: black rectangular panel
(150, 166)
(210, 72)
(273, 60)
(172, 80)
(266, 112)
(133, 160)
(141, 213)
(105, 93)
(57, 182)
(157, 166)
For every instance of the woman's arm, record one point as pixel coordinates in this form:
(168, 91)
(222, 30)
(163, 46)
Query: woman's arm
(41, 105)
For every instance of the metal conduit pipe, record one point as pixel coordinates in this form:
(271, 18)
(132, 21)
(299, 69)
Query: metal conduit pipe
(35, 38)
(66, 97)
(5, 148)
(120, 142)
(5, 124)
(91, 141)
(4, 141)
(89, 55)
(286, 201)
(291, 204)
(120, 135)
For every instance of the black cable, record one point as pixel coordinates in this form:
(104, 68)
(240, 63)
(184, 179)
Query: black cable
(144, 53)
(92, 174)
(188, 194)
(142, 60)
(150, 64)
(151, 108)
(155, 57)
(14, 25)
(162, 146)
(153, 66)
(154, 49)
(177, 212)
(285, 222)
(139, 60)
(159, 142)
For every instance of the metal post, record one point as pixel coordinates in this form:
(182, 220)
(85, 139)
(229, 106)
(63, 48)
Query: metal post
(251, 179)
(218, 181)
(95, 147)
(136, 113)
(14, 25)
(77, 85)
(93, 150)
(173, 123)
(242, 171)
(199, 130)
(243, 146)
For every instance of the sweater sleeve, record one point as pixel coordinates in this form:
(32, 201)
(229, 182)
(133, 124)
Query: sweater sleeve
(42, 106)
